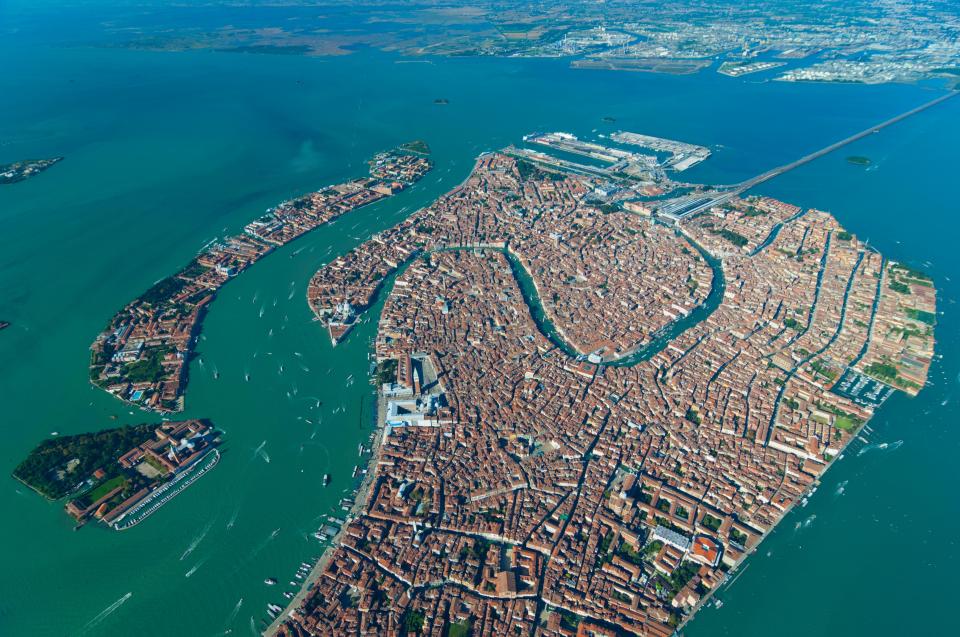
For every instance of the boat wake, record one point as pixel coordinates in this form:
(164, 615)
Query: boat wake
(106, 612)
(233, 613)
(805, 523)
(194, 568)
(883, 446)
(233, 518)
(841, 488)
(256, 452)
(195, 542)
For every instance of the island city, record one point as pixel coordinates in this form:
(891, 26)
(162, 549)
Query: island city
(592, 414)
(479, 319)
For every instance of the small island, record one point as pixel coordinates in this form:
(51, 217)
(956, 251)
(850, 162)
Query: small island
(859, 160)
(122, 475)
(22, 170)
(417, 146)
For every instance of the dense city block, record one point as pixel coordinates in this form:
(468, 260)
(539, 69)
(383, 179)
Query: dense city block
(529, 479)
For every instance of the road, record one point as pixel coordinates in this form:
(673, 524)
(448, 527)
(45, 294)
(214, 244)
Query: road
(743, 186)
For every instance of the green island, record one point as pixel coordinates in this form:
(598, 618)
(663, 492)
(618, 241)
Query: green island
(22, 170)
(859, 160)
(58, 465)
(416, 146)
(120, 476)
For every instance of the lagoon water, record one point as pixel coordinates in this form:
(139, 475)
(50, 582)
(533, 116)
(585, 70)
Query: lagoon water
(165, 151)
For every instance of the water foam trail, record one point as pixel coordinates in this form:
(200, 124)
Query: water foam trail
(883, 446)
(257, 451)
(253, 627)
(233, 613)
(106, 612)
(256, 550)
(195, 542)
(194, 568)
(233, 518)
(314, 398)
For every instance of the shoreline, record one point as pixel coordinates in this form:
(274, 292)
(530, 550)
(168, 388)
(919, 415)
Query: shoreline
(779, 511)
(361, 495)
(197, 284)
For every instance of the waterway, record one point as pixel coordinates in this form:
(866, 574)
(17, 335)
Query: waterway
(165, 151)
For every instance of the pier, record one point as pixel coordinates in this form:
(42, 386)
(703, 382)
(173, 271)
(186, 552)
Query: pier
(167, 492)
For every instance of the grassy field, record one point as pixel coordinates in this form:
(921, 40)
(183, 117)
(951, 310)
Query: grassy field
(104, 488)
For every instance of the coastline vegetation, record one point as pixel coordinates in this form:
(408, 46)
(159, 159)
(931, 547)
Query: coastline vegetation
(57, 465)
(416, 146)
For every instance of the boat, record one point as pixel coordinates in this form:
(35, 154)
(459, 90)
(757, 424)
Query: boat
(326, 479)
(270, 581)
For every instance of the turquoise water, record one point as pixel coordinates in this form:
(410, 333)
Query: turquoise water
(165, 151)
